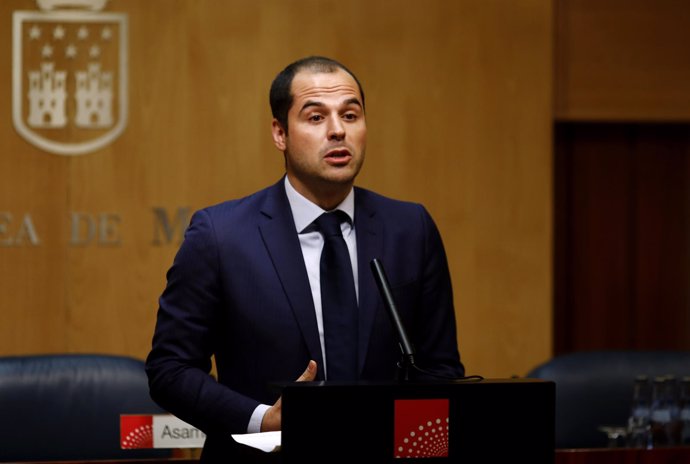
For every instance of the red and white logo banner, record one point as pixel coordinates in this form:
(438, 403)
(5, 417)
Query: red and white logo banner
(158, 431)
(421, 428)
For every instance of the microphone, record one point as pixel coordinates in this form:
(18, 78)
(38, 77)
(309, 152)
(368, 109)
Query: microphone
(406, 347)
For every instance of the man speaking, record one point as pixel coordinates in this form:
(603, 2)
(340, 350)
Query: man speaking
(277, 286)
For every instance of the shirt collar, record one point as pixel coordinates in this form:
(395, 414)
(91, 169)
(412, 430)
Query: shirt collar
(304, 212)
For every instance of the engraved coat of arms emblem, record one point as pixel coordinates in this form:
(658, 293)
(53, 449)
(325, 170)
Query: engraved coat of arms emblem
(69, 81)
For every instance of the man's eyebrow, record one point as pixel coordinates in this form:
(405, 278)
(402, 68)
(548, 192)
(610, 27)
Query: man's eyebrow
(353, 101)
(310, 103)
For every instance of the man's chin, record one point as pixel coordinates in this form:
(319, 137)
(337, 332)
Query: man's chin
(344, 179)
(343, 174)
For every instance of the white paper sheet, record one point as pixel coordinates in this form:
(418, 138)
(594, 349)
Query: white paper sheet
(268, 442)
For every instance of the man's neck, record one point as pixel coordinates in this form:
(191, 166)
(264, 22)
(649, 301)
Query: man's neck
(327, 196)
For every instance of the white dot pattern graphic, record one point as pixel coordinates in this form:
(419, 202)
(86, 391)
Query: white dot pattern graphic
(141, 437)
(428, 439)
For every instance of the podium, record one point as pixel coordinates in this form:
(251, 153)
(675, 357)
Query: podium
(499, 420)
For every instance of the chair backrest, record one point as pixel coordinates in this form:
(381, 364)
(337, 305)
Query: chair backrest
(68, 406)
(595, 389)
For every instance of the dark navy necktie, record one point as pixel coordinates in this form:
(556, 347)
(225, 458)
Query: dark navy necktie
(338, 299)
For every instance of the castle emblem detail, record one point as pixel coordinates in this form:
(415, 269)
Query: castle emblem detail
(69, 76)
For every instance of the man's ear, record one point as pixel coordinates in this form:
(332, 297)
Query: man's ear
(279, 135)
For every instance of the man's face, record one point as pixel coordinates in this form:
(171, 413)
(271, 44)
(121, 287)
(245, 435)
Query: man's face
(326, 140)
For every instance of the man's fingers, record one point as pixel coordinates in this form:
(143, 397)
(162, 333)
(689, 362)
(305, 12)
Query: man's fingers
(309, 374)
(273, 416)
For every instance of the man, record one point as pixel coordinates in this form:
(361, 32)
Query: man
(245, 285)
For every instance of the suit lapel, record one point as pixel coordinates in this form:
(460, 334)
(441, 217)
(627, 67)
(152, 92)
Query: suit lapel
(279, 235)
(369, 246)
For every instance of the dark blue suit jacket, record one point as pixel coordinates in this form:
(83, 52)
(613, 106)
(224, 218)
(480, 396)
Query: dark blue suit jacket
(238, 290)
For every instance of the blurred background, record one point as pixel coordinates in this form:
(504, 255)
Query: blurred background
(548, 139)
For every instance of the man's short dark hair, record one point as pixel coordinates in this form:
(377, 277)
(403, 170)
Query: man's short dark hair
(281, 88)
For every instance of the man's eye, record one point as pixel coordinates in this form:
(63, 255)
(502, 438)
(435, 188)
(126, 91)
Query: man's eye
(315, 117)
(350, 116)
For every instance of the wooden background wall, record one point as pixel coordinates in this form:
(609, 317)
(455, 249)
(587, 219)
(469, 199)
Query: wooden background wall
(622, 175)
(459, 114)
(623, 236)
(622, 60)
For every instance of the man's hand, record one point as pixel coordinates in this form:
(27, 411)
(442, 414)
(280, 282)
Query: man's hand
(273, 416)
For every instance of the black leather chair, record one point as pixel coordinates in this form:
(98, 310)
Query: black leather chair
(595, 389)
(68, 406)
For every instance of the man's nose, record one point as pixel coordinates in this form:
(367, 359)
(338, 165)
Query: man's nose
(336, 129)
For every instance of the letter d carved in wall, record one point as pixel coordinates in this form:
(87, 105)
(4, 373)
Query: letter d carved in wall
(69, 81)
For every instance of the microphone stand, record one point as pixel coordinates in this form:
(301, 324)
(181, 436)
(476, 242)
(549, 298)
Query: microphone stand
(406, 362)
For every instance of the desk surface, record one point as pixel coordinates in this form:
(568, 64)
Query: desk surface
(680, 455)
(623, 456)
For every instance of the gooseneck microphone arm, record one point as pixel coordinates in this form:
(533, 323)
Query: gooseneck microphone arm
(406, 348)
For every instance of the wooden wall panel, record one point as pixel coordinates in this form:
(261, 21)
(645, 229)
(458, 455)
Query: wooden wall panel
(622, 60)
(458, 108)
(595, 272)
(622, 102)
(33, 196)
(623, 254)
(662, 230)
